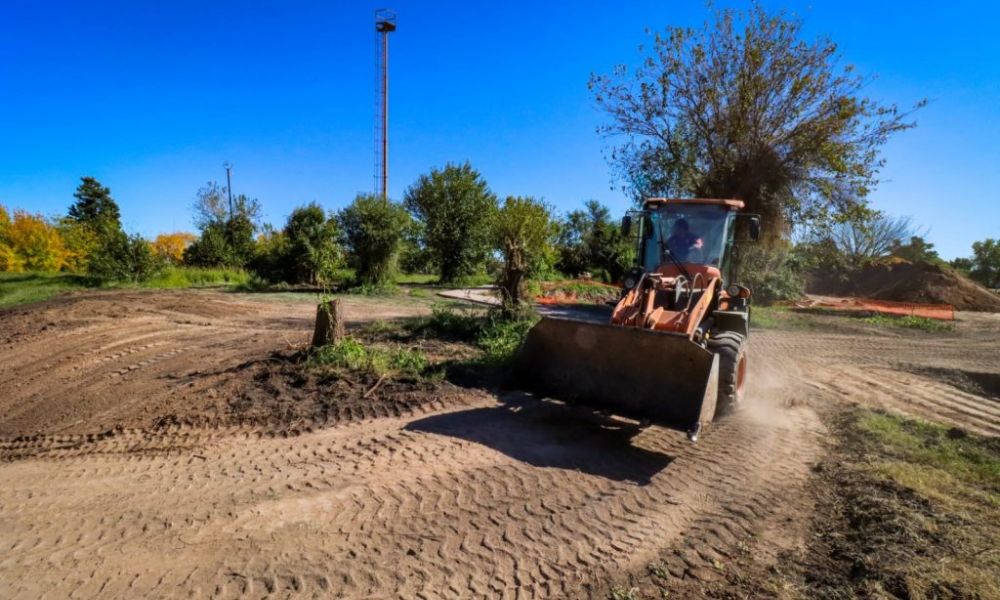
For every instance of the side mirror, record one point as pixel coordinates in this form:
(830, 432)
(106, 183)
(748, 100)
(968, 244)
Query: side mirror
(626, 225)
(754, 227)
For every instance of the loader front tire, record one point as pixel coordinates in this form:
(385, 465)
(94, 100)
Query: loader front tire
(731, 348)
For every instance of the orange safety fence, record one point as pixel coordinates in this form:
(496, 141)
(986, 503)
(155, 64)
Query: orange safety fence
(943, 312)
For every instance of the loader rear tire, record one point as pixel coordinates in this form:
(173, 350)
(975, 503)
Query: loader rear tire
(731, 348)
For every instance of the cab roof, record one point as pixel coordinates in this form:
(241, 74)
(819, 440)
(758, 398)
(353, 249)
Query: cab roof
(730, 204)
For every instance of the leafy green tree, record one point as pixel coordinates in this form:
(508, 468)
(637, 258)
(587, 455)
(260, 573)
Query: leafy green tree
(744, 108)
(373, 230)
(454, 205)
(963, 265)
(271, 258)
(313, 251)
(95, 208)
(590, 241)
(122, 257)
(523, 232)
(415, 256)
(986, 263)
(916, 250)
(227, 234)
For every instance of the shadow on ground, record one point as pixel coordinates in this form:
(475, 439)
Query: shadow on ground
(547, 434)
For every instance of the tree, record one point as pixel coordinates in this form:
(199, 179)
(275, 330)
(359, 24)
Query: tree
(454, 205)
(373, 230)
(271, 258)
(962, 264)
(122, 257)
(227, 235)
(29, 243)
(170, 247)
(986, 263)
(861, 240)
(312, 247)
(744, 108)
(589, 240)
(95, 208)
(917, 250)
(80, 242)
(9, 261)
(522, 232)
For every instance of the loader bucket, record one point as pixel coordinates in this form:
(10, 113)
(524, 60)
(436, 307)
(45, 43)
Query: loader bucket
(638, 373)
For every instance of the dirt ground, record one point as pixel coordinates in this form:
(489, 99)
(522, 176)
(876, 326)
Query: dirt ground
(139, 457)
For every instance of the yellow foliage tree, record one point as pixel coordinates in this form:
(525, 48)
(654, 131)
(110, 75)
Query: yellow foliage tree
(9, 261)
(170, 246)
(80, 241)
(29, 243)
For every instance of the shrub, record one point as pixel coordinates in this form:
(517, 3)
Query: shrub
(373, 229)
(495, 333)
(501, 338)
(771, 274)
(351, 354)
(124, 258)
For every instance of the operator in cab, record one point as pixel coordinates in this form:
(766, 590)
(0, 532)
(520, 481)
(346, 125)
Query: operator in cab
(682, 240)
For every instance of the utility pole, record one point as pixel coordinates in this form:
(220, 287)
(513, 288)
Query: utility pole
(229, 186)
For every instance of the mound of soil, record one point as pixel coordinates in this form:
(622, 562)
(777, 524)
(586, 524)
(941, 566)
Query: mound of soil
(921, 282)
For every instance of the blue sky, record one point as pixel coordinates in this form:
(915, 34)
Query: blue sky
(151, 98)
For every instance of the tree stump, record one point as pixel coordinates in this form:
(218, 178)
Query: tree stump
(329, 323)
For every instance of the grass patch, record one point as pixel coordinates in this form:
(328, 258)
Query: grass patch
(780, 317)
(382, 327)
(369, 289)
(907, 509)
(944, 464)
(909, 322)
(23, 288)
(353, 355)
(416, 278)
(190, 277)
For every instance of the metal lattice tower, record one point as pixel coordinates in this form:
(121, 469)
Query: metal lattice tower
(385, 23)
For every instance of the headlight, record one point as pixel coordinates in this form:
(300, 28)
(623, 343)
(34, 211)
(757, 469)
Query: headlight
(734, 290)
(629, 282)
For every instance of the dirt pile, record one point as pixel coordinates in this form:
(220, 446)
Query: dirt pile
(911, 282)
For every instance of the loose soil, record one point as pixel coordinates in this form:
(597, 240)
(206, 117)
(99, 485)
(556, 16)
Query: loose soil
(169, 445)
(912, 282)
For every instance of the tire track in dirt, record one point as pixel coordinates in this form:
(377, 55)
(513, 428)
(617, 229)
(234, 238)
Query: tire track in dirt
(878, 371)
(468, 496)
(438, 497)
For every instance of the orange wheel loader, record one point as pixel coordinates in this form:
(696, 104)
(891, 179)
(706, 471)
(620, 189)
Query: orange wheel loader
(675, 350)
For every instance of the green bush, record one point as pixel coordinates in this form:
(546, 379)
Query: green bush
(501, 338)
(124, 258)
(498, 336)
(772, 274)
(373, 229)
(353, 355)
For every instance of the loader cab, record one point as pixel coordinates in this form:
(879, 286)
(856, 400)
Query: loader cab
(699, 234)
